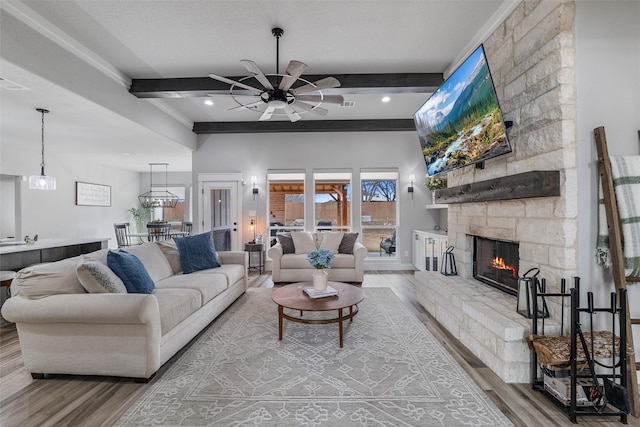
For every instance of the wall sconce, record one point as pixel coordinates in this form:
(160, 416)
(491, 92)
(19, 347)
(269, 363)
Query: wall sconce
(254, 181)
(412, 179)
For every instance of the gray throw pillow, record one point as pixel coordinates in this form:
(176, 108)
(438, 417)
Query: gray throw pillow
(346, 245)
(286, 242)
(95, 277)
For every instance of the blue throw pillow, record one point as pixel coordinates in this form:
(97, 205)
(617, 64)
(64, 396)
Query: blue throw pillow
(131, 271)
(197, 252)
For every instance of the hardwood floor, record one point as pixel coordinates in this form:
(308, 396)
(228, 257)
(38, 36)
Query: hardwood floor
(69, 400)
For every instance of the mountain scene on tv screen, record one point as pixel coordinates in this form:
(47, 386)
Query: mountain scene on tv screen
(461, 124)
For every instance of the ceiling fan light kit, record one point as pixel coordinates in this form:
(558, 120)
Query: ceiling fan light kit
(281, 99)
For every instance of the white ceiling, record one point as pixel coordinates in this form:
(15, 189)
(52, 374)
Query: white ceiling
(138, 39)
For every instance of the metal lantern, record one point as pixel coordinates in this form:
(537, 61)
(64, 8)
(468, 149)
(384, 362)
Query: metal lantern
(526, 285)
(448, 267)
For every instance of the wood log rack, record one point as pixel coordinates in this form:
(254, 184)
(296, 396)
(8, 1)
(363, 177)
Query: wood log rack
(617, 259)
(565, 354)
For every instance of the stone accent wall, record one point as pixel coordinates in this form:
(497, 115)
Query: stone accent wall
(531, 58)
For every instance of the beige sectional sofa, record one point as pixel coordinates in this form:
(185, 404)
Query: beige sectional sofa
(63, 329)
(290, 264)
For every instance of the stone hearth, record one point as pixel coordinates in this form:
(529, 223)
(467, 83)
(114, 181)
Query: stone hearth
(484, 319)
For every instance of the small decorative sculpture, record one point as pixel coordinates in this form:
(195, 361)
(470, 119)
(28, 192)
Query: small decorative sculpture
(29, 241)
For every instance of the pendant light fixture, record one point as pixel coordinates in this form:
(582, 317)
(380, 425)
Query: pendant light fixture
(158, 199)
(42, 182)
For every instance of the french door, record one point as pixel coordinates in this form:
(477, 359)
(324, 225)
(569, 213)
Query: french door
(221, 209)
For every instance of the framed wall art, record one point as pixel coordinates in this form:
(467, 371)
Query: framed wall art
(92, 194)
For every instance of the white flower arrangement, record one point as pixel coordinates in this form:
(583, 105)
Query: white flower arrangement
(434, 183)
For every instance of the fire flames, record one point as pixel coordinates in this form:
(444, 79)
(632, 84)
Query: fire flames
(498, 262)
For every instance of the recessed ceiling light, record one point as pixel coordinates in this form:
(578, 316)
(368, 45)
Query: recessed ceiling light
(208, 102)
(386, 99)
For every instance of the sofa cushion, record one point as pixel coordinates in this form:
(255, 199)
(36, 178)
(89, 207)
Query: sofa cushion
(286, 242)
(197, 252)
(52, 278)
(208, 286)
(153, 260)
(294, 261)
(171, 253)
(131, 271)
(231, 272)
(303, 242)
(346, 245)
(330, 240)
(95, 277)
(100, 256)
(175, 305)
(343, 261)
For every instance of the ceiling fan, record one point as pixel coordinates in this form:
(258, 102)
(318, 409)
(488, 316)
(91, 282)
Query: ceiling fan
(283, 98)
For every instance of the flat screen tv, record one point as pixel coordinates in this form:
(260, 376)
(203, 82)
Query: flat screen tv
(461, 124)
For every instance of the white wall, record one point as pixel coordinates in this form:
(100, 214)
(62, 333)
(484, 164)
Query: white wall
(7, 206)
(254, 154)
(608, 94)
(51, 214)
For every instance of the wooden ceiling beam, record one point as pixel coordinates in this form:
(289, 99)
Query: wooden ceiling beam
(385, 125)
(200, 87)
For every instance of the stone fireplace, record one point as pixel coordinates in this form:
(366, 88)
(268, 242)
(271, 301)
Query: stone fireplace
(531, 56)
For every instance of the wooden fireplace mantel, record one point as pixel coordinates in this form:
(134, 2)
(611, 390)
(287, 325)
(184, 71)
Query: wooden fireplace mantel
(520, 186)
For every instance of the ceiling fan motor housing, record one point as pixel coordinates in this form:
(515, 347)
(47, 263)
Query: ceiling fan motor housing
(277, 98)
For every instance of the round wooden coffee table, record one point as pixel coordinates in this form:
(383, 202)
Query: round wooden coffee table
(293, 297)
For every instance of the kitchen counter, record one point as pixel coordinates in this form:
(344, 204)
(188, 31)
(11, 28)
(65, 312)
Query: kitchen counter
(17, 256)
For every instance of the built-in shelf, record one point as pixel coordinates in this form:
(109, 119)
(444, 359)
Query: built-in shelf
(437, 206)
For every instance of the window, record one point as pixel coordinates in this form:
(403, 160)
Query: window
(176, 214)
(379, 210)
(286, 202)
(332, 201)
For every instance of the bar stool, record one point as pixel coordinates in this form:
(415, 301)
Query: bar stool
(6, 277)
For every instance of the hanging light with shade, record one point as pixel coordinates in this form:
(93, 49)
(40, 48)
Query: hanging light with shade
(42, 181)
(158, 199)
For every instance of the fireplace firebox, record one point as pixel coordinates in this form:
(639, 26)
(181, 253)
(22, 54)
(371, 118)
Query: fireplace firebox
(495, 262)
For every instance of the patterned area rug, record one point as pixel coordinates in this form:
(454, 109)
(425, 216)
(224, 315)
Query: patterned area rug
(391, 372)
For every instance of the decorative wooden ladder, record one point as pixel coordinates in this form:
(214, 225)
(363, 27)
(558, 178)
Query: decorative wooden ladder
(617, 260)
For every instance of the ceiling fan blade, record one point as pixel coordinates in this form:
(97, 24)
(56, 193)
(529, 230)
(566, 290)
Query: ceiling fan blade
(293, 116)
(257, 73)
(234, 95)
(252, 104)
(330, 99)
(293, 71)
(233, 82)
(310, 108)
(267, 113)
(325, 83)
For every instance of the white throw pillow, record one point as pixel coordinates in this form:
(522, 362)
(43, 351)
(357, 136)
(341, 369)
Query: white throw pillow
(303, 242)
(96, 277)
(330, 240)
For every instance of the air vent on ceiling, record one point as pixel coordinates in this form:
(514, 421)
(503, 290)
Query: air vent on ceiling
(348, 104)
(9, 85)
